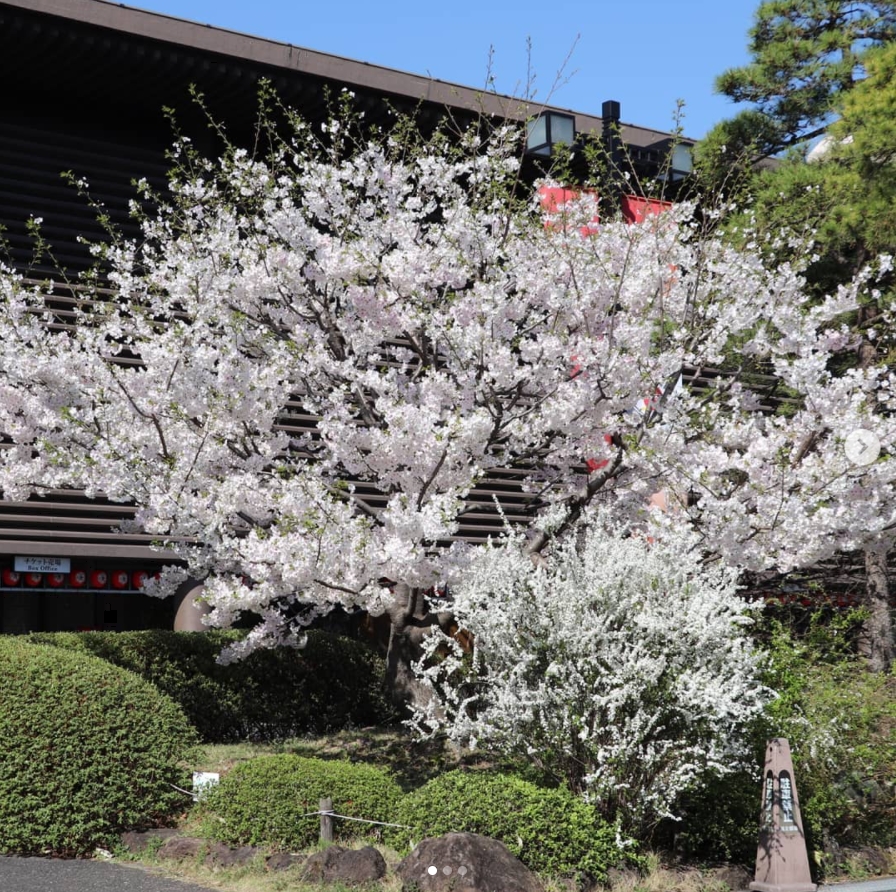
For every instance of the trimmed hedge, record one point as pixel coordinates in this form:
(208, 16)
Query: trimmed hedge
(87, 750)
(332, 683)
(261, 801)
(552, 831)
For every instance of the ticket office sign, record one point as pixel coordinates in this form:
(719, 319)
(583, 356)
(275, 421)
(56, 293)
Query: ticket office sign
(33, 564)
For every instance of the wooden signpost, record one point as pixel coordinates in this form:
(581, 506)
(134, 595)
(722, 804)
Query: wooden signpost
(782, 861)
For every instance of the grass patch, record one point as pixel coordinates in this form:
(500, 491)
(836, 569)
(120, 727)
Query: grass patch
(412, 762)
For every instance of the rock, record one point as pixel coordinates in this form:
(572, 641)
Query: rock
(179, 848)
(350, 866)
(867, 859)
(139, 841)
(227, 857)
(465, 862)
(283, 861)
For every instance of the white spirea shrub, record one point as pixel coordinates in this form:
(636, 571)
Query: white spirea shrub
(620, 664)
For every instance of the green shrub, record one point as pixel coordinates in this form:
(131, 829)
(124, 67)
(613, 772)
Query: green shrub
(332, 683)
(718, 821)
(87, 750)
(261, 801)
(550, 830)
(839, 719)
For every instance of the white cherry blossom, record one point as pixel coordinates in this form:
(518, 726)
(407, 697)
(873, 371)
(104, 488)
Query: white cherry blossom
(439, 328)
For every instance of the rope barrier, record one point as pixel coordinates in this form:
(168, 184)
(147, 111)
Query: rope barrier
(193, 796)
(332, 814)
(315, 814)
(365, 821)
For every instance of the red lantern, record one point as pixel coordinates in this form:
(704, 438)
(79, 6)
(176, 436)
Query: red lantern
(138, 580)
(55, 580)
(77, 578)
(98, 578)
(120, 578)
(10, 577)
(34, 579)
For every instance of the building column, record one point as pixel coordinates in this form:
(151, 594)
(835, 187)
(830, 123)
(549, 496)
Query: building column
(188, 612)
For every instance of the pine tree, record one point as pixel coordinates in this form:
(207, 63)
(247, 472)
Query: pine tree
(806, 55)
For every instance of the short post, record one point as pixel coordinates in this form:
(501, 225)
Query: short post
(326, 820)
(782, 862)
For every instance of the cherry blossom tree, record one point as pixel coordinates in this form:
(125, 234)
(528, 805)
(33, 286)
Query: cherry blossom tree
(419, 305)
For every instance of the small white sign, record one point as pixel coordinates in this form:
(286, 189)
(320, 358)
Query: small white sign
(203, 781)
(31, 564)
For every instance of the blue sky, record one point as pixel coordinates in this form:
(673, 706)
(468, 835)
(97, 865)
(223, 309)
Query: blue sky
(644, 53)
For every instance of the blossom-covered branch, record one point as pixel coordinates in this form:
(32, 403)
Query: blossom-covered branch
(431, 328)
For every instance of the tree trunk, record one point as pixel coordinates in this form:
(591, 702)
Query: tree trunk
(876, 643)
(411, 622)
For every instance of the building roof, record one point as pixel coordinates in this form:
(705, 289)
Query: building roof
(151, 51)
(86, 84)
